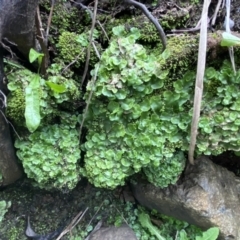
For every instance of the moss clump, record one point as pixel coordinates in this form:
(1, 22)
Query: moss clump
(16, 107)
(131, 128)
(50, 100)
(3, 209)
(50, 155)
(65, 18)
(173, 167)
(72, 48)
(183, 55)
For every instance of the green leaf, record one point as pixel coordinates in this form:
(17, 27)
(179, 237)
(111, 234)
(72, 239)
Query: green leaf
(34, 55)
(157, 85)
(229, 40)
(119, 30)
(57, 88)
(136, 33)
(166, 54)
(82, 39)
(210, 234)
(183, 235)
(32, 100)
(145, 221)
(12, 86)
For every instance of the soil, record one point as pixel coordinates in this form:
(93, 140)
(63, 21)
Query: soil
(49, 211)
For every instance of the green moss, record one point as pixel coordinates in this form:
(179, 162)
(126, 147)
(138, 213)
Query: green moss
(132, 129)
(3, 209)
(57, 168)
(50, 101)
(183, 55)
(72, 49)
(16, 107)
(65, 18)
(173, 167)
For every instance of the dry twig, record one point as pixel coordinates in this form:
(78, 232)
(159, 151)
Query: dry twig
(73, 223)
(199, 80)
(90, 42)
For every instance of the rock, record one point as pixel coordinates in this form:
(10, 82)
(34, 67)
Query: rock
(207, 196)
(114, 233)
(17, 23)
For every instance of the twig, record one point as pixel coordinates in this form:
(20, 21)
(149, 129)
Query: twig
(89, 99)
(73, 223)
(152, 19)
(11, 125)
(97, 227)
(71, 63)
(199, 80)
(42, 41)
(49, 22)
(196, 28)
(230, 49)
(4, 99)
(90, 42)
(216, 12)
(8, 48)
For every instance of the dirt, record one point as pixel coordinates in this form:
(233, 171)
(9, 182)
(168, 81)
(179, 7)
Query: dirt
(49, 211)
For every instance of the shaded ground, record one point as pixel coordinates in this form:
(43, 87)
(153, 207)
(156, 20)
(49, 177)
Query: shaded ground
(51, 210)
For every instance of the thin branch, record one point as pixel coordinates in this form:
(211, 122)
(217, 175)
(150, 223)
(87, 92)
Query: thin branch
(41, 39)
(216, 12)
(4, 99)
(73, 223)
(90, 42)
(71, 63)
(49, 22)
(230, 49)
(11, 125)
(89, 98)
(199, 79)
(152, 19)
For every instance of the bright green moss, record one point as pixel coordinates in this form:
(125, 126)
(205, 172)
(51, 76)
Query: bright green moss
(72, 49)
(50, 155)
(132, 129)
(50, 100)
(167, 172)
(16, 107)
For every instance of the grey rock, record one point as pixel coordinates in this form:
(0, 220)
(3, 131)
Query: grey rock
(17, 23)
(114, 233)
(208, 195)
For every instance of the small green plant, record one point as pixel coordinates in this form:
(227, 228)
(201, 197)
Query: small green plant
(127, 113)
(50, 155)
(33, 99)
(229, 40)
(3, 209)
(145, 221)
(210, 234)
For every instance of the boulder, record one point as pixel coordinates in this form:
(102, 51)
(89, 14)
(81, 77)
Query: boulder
(17, 27)
(117, 233)
(17, 23)
(207, 195)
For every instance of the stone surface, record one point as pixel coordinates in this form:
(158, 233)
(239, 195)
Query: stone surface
(207, 195)
(17, 27)
(17, 23)
(114, 233)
